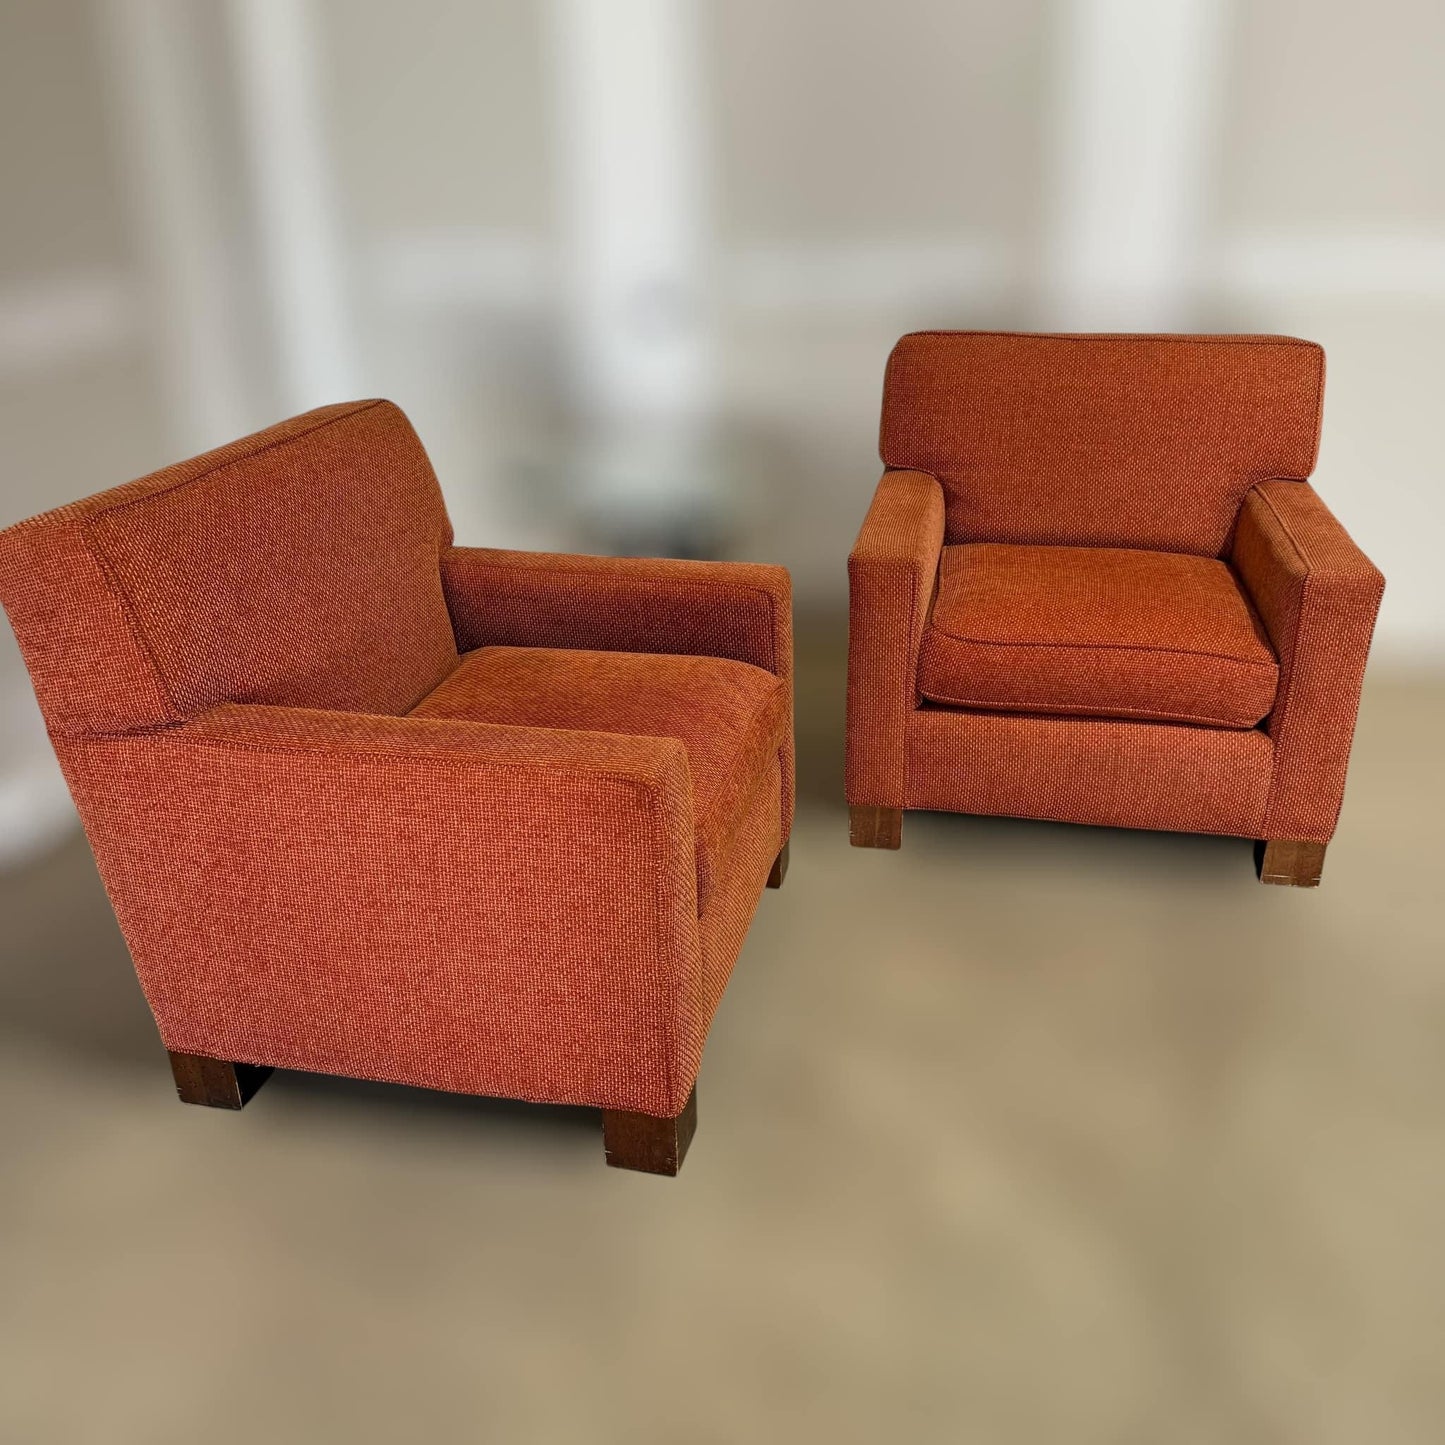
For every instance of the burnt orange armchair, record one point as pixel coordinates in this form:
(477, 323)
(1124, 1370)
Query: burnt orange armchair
(370, 804)
(1094, 586)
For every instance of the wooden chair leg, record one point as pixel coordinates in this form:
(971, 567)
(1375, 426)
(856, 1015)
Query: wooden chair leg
(870, 827)
(646, 1143)
(215, 1083)
(1292, 864)
(780, 868)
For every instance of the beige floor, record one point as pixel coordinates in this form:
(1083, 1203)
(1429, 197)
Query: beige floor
(1025, 1133)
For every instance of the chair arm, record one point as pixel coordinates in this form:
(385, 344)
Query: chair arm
(1317, 595)
(740, 610)
(490, 909)
(737, 610)
(892, 571)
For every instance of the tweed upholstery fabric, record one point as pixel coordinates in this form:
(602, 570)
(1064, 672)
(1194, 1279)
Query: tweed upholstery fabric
(1318, 595)
(1095, 632)
(488, 910)
(1104, 441)
(308, 878)
(1071, 770)
(732, 900)
(730, 716)
(297, 566)
(737, 610)
(892, 571)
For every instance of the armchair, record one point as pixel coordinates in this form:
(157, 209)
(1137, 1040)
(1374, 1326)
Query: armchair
(370, 804)
(1094, 586)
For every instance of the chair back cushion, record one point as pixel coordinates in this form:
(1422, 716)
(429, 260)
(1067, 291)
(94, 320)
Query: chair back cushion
(299, 566)
(1100, 441)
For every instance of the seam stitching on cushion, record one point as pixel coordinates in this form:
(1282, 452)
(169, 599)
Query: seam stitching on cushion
(672, 982)
(340, 752)
(1085, 715)
(911, 663)
(1293, 539)
(113, 508)
(1174, 338)
(785, 824)
(141, 730)
(1106, 647)
(1319, 411)
(917, 578)
(138, 634)
(80, 509)
(907, 685)
(1289, 692)
(883, 408)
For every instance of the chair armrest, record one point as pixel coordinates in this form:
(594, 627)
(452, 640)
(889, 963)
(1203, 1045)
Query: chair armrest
(892, 571)
(1317, 595)
(737, 610)
(492, 909)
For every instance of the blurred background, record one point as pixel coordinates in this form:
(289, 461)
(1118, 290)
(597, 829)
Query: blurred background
(633, 268)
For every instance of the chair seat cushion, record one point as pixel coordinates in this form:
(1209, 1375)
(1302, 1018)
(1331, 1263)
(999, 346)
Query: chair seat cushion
(1096, 632)
(731, 717)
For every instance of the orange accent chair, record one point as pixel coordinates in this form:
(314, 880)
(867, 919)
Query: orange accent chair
(1094, 586)
(370, 804)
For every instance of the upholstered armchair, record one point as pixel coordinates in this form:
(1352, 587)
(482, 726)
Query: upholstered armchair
(1095, 586)
(370, 804)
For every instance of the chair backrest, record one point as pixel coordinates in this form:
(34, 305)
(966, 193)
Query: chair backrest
(299, 566)
(1105, 441)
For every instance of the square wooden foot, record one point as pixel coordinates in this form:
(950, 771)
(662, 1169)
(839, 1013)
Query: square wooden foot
(780, 868)
(1290, 863)
(215, 1083)
(646, 1143)
(870, 827)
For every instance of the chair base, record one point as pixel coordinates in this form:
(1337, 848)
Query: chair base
(780, 868)
(1289, 863)
(214, 1082)
(648, 1144)
(870, 827)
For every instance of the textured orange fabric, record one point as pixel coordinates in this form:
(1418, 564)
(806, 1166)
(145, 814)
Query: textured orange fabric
(1318, 595)
(1095, 770)
(731, 717)
(296, 566)
(1095, 632)
(1103, 441)
(738, 610)
(732, 901)
(891, 574)
(307, 878)
(488, 910)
